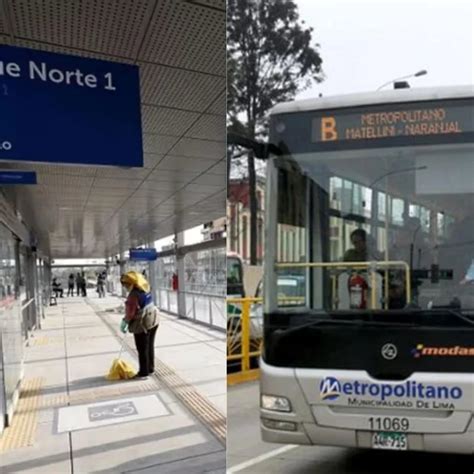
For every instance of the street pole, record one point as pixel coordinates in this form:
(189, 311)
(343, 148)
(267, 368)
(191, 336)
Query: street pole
(416, 74)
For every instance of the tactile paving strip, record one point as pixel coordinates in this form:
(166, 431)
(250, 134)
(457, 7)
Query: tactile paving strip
(39, 341)
(22, 431)
(48, 340)
(45, 341)
(193, 400)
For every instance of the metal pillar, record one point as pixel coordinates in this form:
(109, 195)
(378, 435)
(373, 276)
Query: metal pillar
(152, 280)
(181, 275)
(47, 280)
(122, 271)
(152, 268)
(41, 290)
(19, 284)
(38, 297)
(32, 290)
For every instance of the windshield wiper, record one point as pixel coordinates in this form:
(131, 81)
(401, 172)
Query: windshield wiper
(338, 322)
(279, 333)
(458, 313)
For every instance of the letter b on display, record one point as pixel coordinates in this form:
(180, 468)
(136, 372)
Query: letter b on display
(328, 129)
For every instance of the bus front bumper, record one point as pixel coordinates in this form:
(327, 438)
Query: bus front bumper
(303, 424)
(313, 434)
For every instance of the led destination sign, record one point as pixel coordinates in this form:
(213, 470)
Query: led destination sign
(386, 124)
(372, 126)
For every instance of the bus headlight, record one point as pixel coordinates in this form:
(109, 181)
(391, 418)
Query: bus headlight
(270, 402)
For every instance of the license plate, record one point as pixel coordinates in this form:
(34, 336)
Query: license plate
(394, 441)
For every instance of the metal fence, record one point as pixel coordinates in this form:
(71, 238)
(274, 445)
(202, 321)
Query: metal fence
(203, 287)
(205, 271)
(203, 308)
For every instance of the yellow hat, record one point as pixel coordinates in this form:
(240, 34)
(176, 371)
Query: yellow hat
(136, 280)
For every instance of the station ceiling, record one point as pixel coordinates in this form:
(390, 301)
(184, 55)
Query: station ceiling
(179, 46)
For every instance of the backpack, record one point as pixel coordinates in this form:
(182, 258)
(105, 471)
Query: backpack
(147, 316)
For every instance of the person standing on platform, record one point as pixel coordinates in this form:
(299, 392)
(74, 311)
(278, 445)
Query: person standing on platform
(101, 285)
(70, 285)
(78, 284)
(141, 319)
(83, 284)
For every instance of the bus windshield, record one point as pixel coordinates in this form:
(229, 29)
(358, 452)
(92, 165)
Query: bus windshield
(379, 229)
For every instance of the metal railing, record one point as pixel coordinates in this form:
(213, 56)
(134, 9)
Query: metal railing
(200, 271)
(205, 308)
(244, 339)
(371, 267)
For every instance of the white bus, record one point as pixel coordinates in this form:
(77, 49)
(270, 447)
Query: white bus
(379, 353)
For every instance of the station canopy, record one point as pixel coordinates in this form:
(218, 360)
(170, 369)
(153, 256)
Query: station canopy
(82, 211)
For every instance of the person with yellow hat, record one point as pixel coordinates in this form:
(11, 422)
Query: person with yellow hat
(141, 319)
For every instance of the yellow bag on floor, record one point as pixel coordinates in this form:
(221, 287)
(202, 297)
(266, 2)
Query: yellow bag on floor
(120, 370)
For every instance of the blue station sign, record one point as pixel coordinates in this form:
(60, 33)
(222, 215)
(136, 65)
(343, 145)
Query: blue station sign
(67, 109)
(146, 255)
(17, 177)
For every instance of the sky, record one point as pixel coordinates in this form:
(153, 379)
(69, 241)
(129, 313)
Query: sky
(365, 43)
(191, 236)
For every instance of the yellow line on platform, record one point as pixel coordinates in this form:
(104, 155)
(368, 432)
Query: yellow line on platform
(22, 431)
(193, 400)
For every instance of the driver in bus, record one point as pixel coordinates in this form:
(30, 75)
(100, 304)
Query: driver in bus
(361, 252)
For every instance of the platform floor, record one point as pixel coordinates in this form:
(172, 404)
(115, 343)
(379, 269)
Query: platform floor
(70, 419)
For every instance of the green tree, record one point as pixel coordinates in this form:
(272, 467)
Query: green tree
(271, 57)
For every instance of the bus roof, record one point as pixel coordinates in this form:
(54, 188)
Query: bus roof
(372, 98)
